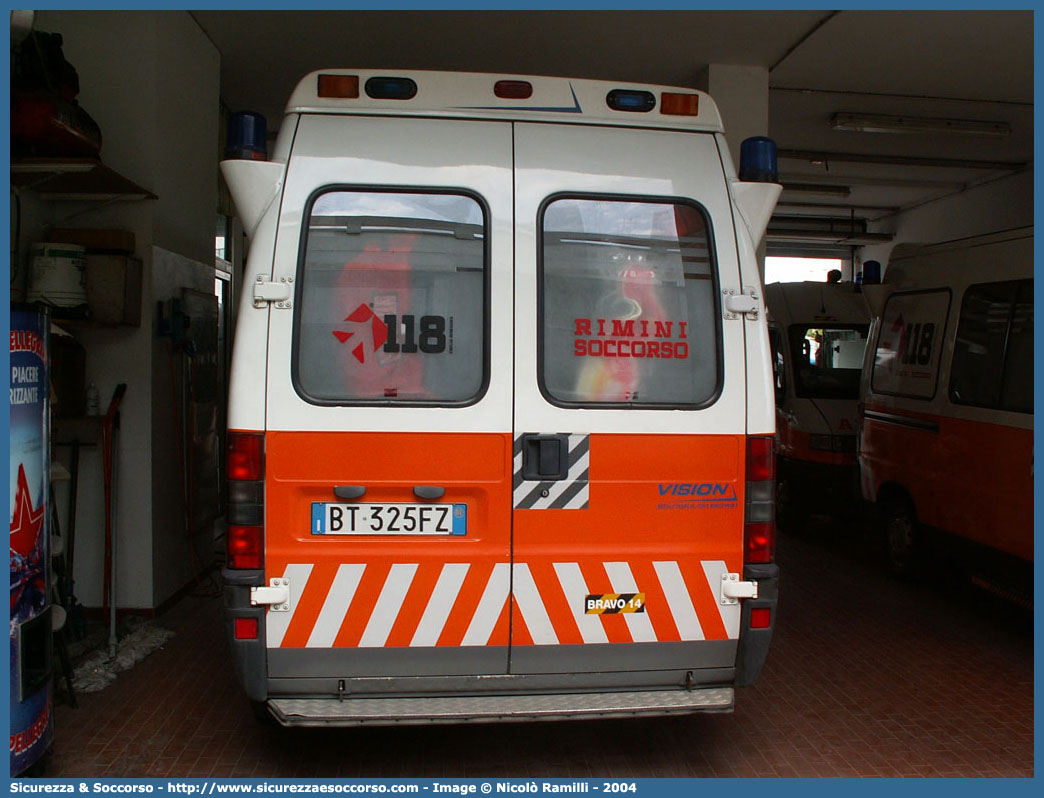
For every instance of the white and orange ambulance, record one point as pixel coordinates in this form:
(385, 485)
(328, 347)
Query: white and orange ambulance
(501, 407)
(946, 443)
(818, 336)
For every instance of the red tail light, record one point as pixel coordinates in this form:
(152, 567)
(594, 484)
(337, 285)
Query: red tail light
(760, 618)
(246, 501)
(246, 547)
(761, 459)
(759, 530)
(246, 629)
(246, 456)
(759, 543)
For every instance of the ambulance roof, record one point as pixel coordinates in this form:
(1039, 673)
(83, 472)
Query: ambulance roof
(508, 97)
(963, 260)
(815, 303)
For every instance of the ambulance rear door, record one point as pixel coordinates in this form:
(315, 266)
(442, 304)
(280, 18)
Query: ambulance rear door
(630, 406)
(388, 444)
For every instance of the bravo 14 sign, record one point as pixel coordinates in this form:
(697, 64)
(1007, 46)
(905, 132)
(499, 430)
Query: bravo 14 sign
(907, 358)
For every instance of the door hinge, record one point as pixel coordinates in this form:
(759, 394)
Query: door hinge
(278, 291)
(732, 589)
(276, 595)
(737, 304)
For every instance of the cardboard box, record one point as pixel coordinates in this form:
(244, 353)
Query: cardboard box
(114, 289)
(117, 242)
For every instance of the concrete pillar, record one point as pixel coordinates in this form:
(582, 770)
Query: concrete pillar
(741, 93)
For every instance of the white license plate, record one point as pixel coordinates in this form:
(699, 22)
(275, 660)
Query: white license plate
(331, 518)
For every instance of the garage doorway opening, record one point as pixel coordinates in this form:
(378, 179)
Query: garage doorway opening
(795, 270)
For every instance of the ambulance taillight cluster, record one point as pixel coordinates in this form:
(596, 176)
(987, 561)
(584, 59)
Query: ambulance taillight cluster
(246, 501)
(759, 527)
(346, 87)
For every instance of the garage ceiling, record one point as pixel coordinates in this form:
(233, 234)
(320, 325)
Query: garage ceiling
(957, 65)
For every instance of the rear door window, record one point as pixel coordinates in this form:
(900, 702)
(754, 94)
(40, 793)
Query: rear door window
(628, 304)
(909, 345)
(827, 360)
(393, 299)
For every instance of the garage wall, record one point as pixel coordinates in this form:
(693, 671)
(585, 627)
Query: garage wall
(150, 79)
(1000, 205)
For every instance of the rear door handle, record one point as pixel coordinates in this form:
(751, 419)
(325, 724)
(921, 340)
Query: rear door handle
(545, 457)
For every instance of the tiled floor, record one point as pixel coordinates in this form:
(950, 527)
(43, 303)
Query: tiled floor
(866, 677)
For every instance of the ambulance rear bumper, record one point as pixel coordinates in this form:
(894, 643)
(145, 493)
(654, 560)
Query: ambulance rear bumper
(496, 709)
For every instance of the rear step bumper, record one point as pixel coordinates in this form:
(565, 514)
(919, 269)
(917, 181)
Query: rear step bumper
(493, 709)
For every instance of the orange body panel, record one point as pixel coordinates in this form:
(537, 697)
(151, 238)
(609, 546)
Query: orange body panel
(636, 519)
(664, 521)
(304, 467)
(971, 478)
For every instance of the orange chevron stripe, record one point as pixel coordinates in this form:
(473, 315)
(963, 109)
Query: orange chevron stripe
(466, 604)
(307, 611)
(655, 602)
(520, 635)
(362, 607)
(558, 609)
(703, 599)
(616, 629)
(414, 604)
(502, 630)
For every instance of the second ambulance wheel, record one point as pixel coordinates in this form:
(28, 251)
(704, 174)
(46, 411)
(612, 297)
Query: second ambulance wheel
(900, 536)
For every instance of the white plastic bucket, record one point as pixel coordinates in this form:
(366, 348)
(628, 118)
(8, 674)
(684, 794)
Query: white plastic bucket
(58, 275)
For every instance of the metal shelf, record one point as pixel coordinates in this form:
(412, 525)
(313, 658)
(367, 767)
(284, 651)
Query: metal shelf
(81, 179)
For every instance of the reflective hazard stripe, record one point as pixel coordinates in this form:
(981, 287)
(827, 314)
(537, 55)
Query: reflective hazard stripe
(730, 613)
(678, 599)
(338, 600)
(572, 580)
(388, 605)
(442, 599)
(480, 630)
(276, 623)
(669, 611)
(622, 580)
(532, 607)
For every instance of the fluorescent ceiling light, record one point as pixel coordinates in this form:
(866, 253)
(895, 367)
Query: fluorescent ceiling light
(881, 123)
(816, 188)
(849, 239)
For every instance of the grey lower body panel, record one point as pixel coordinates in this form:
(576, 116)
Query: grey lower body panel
(497, 660)
(504, 684)
(355, 686)
(497, 708)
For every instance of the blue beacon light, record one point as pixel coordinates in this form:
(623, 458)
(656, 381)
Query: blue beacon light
(246, 137)
(758, 160)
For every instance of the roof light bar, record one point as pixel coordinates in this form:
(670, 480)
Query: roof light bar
(631, 100)
(339, 86)
(513, 89)
(391, 88)
(677, 104)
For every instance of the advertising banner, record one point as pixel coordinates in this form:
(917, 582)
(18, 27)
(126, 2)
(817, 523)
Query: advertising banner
(31, 722)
